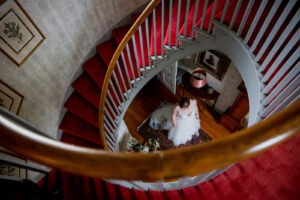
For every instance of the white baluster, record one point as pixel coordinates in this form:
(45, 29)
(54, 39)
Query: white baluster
(265, 25)
(254, 22)
(186, 16)
(203, 14)
(195, 17)
(224, 11)
(245, 17)
(154, 31)
(126, 68)
(212, 15)
(281, 56)
(236, 10)
(135, 56)
(178, 20)
(276, 28)
(170, 20)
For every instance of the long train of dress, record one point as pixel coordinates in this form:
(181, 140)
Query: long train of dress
(187, 125)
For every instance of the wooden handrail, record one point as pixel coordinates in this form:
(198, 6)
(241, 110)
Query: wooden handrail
(113, 61)
(164, 165)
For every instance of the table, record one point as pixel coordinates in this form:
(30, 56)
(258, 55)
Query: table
(199, 92)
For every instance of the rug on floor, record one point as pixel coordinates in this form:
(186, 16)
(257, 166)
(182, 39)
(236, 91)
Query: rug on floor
(162, 136)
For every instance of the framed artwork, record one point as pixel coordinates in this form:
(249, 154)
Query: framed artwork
(10, 99)
(19, 36)
(213, 62)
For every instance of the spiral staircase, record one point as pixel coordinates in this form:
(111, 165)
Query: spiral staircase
(260, 37)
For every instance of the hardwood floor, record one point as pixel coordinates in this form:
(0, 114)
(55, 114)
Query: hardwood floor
(155, 93)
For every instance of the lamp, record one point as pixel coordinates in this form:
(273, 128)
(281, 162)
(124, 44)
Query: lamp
(198, 78)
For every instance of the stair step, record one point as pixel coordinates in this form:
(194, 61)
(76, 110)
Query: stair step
(98, 189)
(83, 109)
(125, 193)
(139, 194)
(174, 194)
(119, 34)
(95, 69)
(190, 193)
(156, 195)
(88, 89)
(111, 191)
(107, 50)
(67, 182)
(71, 139)
(80, 128)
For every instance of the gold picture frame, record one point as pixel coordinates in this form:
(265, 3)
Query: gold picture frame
(19, 36)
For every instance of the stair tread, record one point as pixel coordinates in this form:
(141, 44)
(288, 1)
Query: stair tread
(82, 108)
(107, 50)
(88, 89)
(111, 191)
(95, 69)
(156, 195)
(80, 128)
(140, 194)
(173, 194)
(119, 34)
(71, 139)
(125, 193)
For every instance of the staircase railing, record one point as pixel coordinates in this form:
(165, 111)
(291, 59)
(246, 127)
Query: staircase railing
(164, 165)
(268, 30)
(282, 64)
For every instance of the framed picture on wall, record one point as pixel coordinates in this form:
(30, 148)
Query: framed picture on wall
(213, 62)
(19, 36)
(10, 99)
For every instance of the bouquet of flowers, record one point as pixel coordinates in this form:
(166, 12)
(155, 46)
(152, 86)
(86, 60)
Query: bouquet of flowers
(136, 146)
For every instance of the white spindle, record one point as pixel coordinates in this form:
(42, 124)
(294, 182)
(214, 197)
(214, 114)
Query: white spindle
(114, 91)
(236, 10)
(203, 14)
(136, 56)
(295, 71)
(277, 26)
(147, 38)
(142, 46)
(178, 20)
(110, 135)
(126, 68)
(265, 25)
(108, 124)
(170, 20)
(186, 16)
(111, 108)
(289, 63)
(195, 17)
(154, 31)
(281, 56)
(118, 84)
(254, 22)
(245, 17)
(109, 116)
(162, 25)
(224, 11)
(212, 15)
(288, 100)
(121, 75)
(276, 47)
(182, 182)
(278, 100)
(130, 61)
(160, 185)
(113, 102)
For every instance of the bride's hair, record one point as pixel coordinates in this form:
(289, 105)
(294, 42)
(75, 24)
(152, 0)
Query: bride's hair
(184, 102)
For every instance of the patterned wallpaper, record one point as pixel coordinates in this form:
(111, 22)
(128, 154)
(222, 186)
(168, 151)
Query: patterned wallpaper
(72, 29)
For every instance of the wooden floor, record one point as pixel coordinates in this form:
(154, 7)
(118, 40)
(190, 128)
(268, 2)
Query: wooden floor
(155, 93)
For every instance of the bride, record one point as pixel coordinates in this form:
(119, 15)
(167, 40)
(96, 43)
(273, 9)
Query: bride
(181, 120)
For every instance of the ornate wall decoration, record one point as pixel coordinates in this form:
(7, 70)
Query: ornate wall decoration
(19, 36)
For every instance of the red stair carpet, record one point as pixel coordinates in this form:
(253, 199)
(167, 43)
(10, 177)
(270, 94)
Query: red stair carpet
(271, 175)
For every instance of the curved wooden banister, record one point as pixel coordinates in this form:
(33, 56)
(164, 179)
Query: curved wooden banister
(113, 61)
(164, 165)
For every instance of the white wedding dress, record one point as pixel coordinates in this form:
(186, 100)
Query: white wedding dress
(187, 125)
